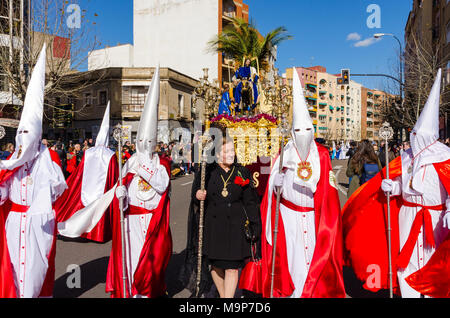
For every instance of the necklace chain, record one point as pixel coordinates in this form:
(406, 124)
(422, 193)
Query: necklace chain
(225, 183)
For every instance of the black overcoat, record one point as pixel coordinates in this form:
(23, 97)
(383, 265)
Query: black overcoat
(224, 235)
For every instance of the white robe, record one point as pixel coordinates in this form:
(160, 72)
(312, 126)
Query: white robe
(434, 194)
(299, 230)
(299, 227)
(136, 225)
(30, 235)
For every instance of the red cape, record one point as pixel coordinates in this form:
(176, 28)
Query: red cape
(55, 157)
(149, 278)
(70, 201)
(325, 277)
(7, 285)
(434, 278)
(365, 227)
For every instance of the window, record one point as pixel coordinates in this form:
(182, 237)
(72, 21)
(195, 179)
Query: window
(102, 97)
(133, 98)
(87, 99)
(181, 105)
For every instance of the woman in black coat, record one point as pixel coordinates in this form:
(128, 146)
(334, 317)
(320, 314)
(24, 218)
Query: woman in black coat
(230, 200)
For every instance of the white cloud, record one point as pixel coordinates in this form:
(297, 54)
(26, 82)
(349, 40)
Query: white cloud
(367, 42)
(353, 37)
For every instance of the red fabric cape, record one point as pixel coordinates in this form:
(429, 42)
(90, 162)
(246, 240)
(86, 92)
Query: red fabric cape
(325, 277)
(149, 278)
(70, 201)
(55, 157)
(365, 227)
(7, 286)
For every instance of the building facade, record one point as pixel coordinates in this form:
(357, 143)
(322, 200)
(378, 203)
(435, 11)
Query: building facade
(14, 26)
(429, 24)
(335, 109)
(126, 89)
(159, 39)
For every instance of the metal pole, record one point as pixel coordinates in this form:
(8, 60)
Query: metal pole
(118, 137)
(386, 132)
(277, 216)
(200, 224)
(389, 223)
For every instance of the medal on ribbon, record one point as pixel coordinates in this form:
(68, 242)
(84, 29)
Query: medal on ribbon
(304, 170)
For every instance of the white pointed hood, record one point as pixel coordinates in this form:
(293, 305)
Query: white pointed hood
(302, 124)
(103, 135)
(302, 147)
(148, 126)
(96, 164)
(425, 147)
(426, 130)
(29, 132)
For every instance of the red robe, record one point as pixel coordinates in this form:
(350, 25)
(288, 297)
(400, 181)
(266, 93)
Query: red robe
(70, 201)
(7, 285)
(365, 226)
(325, 277)
(7, 288)
(149, 278)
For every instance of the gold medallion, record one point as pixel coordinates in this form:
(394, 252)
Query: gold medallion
(143, 185)
(224, 192)
(225, 184)
(304, 170)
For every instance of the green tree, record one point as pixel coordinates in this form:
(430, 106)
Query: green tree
(241, 40)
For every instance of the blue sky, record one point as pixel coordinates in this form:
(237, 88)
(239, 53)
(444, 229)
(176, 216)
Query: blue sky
(320, 29)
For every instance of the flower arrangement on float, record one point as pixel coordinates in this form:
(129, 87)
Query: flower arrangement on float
(254, 136)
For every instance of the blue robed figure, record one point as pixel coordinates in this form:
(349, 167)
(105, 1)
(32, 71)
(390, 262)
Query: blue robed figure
(225, 103)
(248, 73)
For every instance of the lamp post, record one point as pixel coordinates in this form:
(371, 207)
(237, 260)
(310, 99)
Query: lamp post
(278, 95)
(380, 35)
(209, 92)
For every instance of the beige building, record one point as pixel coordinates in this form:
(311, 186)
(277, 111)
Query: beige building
(341, 112)
(126, 89)
(335, 109)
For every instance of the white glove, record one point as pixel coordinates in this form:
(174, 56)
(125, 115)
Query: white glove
(121, 192)
(387, 185)
(278, 180)
(446, 220)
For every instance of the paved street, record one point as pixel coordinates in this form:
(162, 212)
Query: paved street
(92, 258)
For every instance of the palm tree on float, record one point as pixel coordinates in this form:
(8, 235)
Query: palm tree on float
(241, 40)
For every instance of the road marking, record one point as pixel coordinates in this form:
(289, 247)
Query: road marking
(343, 191)
(185, 184)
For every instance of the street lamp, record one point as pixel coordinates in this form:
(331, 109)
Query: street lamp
(380, 35)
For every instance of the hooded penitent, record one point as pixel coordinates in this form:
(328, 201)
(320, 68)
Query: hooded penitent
(29, 132)
(308, 254)
(426, 148)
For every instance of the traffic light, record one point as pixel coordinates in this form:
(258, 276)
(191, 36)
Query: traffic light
(345, 77)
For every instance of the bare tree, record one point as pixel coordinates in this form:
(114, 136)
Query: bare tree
(422, 61)
(69, 34)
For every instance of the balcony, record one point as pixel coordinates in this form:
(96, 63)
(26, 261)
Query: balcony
(228, 15)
